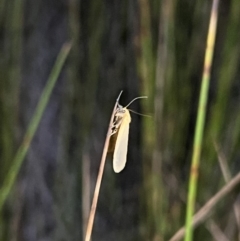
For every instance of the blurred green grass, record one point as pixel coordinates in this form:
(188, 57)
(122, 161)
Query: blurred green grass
(33, 125)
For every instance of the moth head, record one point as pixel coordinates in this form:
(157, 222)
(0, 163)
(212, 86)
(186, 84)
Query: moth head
(119, 114)
(120, 111)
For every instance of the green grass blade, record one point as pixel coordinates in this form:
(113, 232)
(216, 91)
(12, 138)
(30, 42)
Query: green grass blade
(197, 145)
(23, 149)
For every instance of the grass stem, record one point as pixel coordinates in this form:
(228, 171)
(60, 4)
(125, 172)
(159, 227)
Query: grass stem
(24, 147)
(198, 136)
(100, 175)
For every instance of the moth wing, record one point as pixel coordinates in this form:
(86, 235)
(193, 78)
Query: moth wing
(120, 152)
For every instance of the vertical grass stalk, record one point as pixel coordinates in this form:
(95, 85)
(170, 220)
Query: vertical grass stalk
(23, 149)
(100, 175)
(197, 145)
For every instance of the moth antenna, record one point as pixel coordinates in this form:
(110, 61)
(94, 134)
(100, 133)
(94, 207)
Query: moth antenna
(139, 113)
(140, 97)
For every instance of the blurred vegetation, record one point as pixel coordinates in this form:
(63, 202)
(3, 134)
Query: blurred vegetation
(154, 48)
(33, 125)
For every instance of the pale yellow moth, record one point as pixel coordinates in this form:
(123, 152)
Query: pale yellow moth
(121, 124)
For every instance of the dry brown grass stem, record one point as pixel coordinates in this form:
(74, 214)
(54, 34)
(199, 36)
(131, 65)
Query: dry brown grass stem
(227, 177)
(100, 175)
(205, 211)
(216, 231)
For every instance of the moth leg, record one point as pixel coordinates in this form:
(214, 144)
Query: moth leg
(117, 120)
(114, 128)
(115, 125)
(113, 132)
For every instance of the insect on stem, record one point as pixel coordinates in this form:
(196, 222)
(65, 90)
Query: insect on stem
(100, 175)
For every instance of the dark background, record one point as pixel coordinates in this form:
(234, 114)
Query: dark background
(154, 48)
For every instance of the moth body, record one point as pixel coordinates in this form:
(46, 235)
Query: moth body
(120, 127)
(120, 152)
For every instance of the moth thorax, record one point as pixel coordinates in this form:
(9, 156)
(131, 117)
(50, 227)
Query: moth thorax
(120, 111)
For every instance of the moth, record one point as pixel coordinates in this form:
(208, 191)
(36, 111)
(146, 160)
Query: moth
(120, 133)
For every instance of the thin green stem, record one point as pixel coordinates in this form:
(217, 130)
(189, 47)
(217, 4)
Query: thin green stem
(23, 149)
(198, 136)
